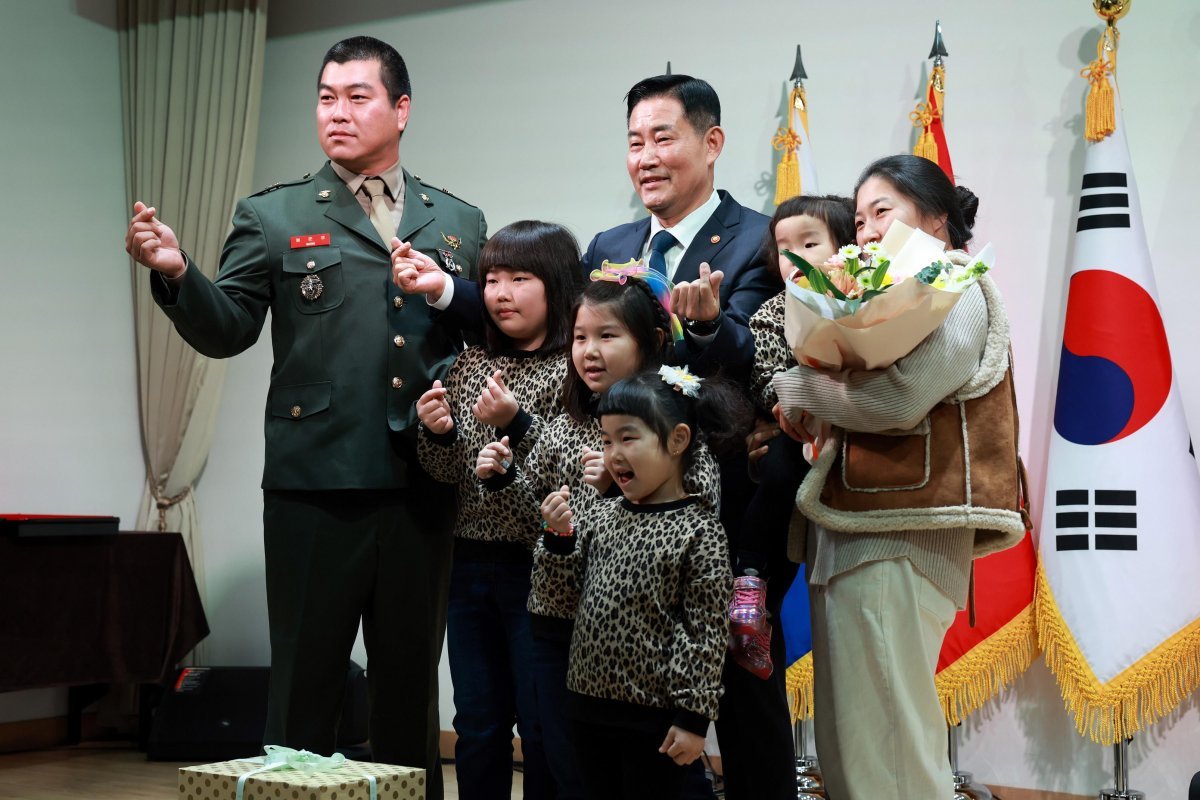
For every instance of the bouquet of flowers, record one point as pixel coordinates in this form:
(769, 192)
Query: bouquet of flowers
(865, 308)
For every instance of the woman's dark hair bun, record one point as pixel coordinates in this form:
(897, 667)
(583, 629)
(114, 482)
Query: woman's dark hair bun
(968, 203)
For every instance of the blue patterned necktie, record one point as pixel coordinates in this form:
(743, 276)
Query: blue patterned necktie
(659, 245)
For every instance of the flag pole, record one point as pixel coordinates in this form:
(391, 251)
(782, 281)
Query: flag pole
(1121, 775)
(809, 783)
(965, 787)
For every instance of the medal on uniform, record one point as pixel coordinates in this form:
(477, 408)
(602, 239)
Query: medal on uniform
(448, 261)
(452, 240)
(311, 287)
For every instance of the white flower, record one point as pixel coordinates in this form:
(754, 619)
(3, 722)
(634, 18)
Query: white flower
(849, 251)
(875, 250)
(680, 379)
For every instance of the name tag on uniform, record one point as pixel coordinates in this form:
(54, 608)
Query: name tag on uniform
(310, 240)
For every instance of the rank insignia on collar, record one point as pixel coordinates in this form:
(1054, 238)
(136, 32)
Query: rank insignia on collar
(448, 261)
(424, 197)
(323, 194)
(311, 287)
(452, 240)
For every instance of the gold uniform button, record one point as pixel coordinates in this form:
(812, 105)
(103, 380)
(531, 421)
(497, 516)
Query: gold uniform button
(398, 341)
(296, 411)
(398, 301)
(397, 383)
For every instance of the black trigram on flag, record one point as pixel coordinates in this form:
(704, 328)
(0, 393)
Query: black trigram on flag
(1107, 509)
(1106, 208)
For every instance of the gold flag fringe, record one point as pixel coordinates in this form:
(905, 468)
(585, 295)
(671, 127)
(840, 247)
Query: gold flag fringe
(1140, 696)
(1101, 116)
(988, 667)
(800, 688)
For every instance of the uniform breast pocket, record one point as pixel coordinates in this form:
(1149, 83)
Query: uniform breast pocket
(313, 277)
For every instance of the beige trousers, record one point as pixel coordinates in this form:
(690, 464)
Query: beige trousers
(880, 732)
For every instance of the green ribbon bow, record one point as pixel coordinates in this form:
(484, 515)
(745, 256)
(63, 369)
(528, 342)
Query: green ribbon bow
(279, 757)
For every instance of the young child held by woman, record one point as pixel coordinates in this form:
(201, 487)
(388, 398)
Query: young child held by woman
(812, 227)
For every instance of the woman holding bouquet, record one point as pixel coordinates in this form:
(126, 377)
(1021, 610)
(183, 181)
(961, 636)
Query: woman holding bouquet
(920, 478)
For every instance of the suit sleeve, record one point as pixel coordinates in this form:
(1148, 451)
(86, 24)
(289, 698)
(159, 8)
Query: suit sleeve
(731, 350)
(224, 317)
(587, 263)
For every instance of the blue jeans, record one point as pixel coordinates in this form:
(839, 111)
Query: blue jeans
(550, 676)
(490, 652)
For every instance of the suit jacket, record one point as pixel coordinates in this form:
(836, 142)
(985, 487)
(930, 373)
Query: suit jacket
(352, 354)
(731, 240)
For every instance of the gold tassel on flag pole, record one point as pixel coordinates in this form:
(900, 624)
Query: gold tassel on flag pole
(1101, 118)
(787, 173)
(922, 118)
(787, 137)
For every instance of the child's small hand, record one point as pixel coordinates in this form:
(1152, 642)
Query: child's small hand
(496, 406)
(434, 411)
(494, 459)
(756, 444)
(594, 471)
(683, 747)
(556, 510)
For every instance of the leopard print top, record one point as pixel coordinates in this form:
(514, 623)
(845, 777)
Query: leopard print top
(771, 351)
(553, 462)
(536, 381)
(651, 626)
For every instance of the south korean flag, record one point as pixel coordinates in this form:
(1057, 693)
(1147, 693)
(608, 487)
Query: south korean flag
(1118, 604)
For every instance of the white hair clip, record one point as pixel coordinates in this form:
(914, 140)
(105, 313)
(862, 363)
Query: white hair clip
(680, 380)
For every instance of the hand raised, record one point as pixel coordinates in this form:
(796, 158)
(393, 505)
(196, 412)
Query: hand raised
(556, 510)
(496, 406)
(434, 410)
(416, 273)
(594, 471)
(494, 459)
(152, 244)
(699, 300)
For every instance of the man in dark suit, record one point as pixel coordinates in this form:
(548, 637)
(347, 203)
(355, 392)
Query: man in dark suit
(701, 238)
(711, 248)
(353, 528)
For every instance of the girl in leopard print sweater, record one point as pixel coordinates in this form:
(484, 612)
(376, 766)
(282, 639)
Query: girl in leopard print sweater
(649, 640)
(527, 276)
(618, 329)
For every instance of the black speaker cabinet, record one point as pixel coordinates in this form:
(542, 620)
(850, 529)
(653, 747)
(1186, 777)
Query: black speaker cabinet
(220, 713)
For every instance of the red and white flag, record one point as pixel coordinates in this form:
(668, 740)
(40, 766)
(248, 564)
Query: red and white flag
(1118, 606)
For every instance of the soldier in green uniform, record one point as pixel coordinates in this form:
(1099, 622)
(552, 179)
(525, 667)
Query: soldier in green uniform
(353, 528)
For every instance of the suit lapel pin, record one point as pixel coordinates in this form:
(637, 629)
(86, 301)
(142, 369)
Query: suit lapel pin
(448, 261)
(311, 287)
(715, 239)
(452, 240)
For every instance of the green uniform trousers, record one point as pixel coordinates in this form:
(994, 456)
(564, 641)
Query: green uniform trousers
(334, 558)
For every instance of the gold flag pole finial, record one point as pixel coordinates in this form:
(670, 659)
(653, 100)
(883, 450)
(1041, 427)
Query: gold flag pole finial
(1101, 118)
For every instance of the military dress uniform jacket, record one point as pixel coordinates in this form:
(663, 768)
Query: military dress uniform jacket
(352, 354)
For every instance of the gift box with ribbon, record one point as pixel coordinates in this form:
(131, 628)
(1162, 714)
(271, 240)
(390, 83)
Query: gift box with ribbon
(300, 775)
